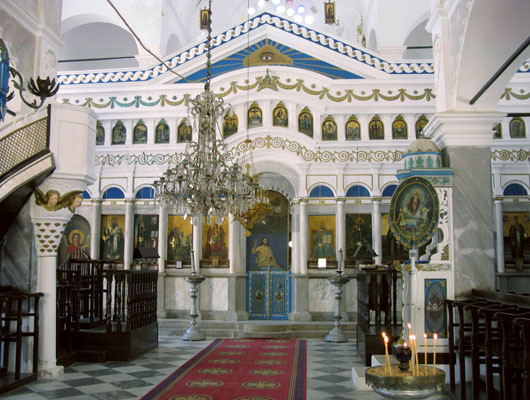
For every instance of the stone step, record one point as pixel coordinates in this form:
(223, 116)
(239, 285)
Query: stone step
(256, 329)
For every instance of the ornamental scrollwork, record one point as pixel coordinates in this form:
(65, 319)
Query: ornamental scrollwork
(510, 155)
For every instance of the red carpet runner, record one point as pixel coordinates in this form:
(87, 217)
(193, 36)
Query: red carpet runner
(239, 369)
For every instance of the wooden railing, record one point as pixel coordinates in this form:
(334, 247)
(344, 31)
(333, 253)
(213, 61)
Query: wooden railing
(133, 302)
(19, 332)
(92, 294)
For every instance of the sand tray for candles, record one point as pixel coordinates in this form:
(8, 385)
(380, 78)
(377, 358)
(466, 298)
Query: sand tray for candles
(403, 384)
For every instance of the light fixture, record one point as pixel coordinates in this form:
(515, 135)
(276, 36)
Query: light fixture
(309, 19)
(275, 2)
(300, 9)
(298, 18)
(251, 11)
(42, 88)
(207, 180)
(290, 12)
(261, 3)
(280, 9)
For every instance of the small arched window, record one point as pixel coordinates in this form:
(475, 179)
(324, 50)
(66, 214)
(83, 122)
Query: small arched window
(357, 191)
(389, 190)
(321, 191)
(114, 193)
(145, 193)
(514, 189)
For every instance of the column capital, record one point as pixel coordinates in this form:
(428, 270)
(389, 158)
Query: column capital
(340, 199)
(377, 199)
(497, 199)
(463, 128)
(48, 232)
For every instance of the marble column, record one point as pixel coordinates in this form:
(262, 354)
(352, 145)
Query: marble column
(162, 238)
(128, 237)
(341, 227)
(48, 232)
(197, 241)
(237, 289)
(303, 244)
(95, 229)
(300, 280)
(162, 252)
(499, 230)
(376, 229)
(465, 140)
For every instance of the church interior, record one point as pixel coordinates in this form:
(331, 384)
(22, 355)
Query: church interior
(350, 176)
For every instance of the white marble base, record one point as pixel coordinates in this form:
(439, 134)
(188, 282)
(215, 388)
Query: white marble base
(50, 372)
(358, 373)
(358, 379)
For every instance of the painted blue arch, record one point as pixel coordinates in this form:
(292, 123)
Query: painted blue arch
(515, 189)
(389, 190)
(357, 191)
(113, 193)
(86, 195)
(321, 191)
(146, 192)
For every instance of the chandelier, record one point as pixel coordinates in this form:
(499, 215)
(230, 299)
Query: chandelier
(207, 180)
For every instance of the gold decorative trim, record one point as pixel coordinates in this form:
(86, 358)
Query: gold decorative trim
(510, 155)
(509, 93)
(261, 83)
(316, 156)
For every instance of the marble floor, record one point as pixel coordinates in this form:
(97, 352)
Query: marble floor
(329, 367)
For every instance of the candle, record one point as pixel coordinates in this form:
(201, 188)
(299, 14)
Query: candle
(409, 330)
(387, 358)
(435, 336)
(425, 342)
(193, 270)
(339, 266)
(416, 353)
(411, 354)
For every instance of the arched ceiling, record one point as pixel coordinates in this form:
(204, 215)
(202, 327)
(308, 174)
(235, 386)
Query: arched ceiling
(177, 22)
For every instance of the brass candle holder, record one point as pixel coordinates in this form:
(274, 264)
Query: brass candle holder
(401, 384)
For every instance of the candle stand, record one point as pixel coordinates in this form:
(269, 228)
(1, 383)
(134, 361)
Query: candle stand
(402, 384)
(193, 333)
(336, 335)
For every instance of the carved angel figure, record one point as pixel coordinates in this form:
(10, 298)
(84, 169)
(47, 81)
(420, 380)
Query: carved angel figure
(53, 201)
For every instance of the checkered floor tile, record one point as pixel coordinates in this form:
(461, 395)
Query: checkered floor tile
(329, 374)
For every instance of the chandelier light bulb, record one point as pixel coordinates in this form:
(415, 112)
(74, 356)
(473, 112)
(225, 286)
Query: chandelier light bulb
(309, 19)
(290, 12)
(280, 9)
(298, 18)
(251, 11)
(261, 3)
(300, 9)
(275, 2)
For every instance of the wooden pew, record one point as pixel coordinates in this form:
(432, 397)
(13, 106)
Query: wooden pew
(477, 333)
(522, 327)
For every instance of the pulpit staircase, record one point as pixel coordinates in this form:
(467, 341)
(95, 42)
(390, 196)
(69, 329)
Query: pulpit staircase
(104, 313)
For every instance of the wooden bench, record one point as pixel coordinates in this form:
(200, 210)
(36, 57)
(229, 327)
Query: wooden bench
(480, 331)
